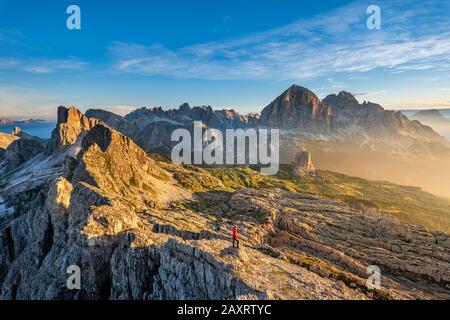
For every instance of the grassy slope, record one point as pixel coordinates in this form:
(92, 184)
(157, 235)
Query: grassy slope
(409, 204)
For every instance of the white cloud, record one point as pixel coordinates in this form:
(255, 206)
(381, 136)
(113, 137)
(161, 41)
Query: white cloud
(416, 38)
(41, 66)
(8, 63)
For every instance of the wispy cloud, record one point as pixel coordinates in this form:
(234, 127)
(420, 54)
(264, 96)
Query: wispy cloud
(41, 66)
(415, 35)
(11, 36)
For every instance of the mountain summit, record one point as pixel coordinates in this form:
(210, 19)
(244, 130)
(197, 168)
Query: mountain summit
(342, 100)
(297, 108)
(71, 123)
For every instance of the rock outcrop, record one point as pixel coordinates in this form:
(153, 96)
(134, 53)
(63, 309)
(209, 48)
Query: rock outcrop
(20, 133)
(18, 148)
(303, 164)
(70, 124)
(5, 141)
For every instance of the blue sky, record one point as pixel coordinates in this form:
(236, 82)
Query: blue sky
(237, 54)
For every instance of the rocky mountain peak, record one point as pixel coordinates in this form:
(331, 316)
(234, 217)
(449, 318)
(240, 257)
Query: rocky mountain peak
(296, 108)
(73, 117)
(71, 123)
(347, 95)
(115, 164)
(140, 228)
(297, 94)
(185, 108)
(343, 99)
(113, 120)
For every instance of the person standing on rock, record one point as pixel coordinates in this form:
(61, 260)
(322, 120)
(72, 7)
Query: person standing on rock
(235, 237)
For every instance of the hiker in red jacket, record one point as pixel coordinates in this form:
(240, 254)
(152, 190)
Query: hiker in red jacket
(235, 237)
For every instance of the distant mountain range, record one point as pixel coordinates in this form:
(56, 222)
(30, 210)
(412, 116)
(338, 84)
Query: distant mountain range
(433, 115)
(6, 121)
(435, 119)
(342, 134)
(298, 112)
(445, 112)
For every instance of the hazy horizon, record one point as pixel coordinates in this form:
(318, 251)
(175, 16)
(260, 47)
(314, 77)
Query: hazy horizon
(123, 110)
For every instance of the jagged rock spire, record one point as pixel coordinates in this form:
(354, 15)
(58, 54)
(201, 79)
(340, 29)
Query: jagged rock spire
(303, 164)
(71, 123)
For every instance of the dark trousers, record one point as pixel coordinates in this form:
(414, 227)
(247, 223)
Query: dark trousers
(237, 243)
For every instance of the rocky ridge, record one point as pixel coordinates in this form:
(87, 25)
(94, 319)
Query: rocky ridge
(300, 114)
(97, 201)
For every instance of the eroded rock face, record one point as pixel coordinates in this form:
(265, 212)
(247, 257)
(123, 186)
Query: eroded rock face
(71, 123)
(20, 151)
(5, 142)
(373, 120)
(302, 164)
(298, 108)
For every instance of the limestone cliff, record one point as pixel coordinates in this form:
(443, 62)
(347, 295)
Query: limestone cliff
(298, 108)
(70, 124)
